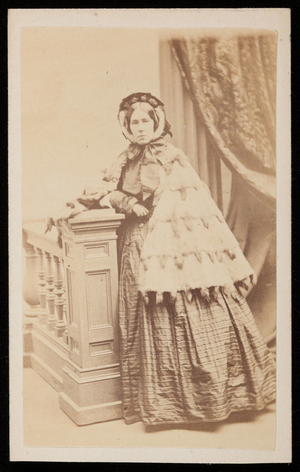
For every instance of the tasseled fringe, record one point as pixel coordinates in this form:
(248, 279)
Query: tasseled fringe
(219, 256)
(199, 257)
(230, 253)
(181, 160)
(205, 222)
(211, 256)
(204, 292)
(229, 291)
(162, 262)
(178, 188)
(179, 260)
(214, 292)
(183, 193)
(189, 223)
(168, 167)
(245, 283)
(159, 297)
(253, 279)
(151, 226)
(175, 227)
(207, 293)
(189, 295)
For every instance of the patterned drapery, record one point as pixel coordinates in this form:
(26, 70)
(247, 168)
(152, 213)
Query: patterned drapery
(189, 133)
(231, 80)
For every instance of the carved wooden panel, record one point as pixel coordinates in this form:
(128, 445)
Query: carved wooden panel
(98, 298)
(92, 250)
(100, 348)
(69, 250)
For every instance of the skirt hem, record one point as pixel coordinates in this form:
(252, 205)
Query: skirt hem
(201, 420)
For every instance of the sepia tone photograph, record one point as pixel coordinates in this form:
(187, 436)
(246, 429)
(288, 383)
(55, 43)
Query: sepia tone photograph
(149, 241)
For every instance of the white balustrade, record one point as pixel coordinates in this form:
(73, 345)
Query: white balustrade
(43, 288)
(73, 293)
(30, 281)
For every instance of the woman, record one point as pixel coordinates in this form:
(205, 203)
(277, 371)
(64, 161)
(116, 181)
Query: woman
(189, 347)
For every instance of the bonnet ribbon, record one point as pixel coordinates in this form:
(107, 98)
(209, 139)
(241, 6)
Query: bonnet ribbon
(154, 148)
(142, 174)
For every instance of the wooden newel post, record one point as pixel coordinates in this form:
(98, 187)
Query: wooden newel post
(91, 377)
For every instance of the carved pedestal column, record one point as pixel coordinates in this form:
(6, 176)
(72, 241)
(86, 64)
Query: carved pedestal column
(91, 378)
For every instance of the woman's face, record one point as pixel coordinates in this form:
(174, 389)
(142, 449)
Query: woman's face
(141, 126)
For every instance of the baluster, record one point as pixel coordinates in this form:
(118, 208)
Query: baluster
(42, 292)
(64, 297)
(50, 297)
(66, 332)
(59, 302)
(30, 281)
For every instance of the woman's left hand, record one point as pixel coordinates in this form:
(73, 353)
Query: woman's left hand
(140, 210)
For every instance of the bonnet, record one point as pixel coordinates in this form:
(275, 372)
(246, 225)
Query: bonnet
(158, 108)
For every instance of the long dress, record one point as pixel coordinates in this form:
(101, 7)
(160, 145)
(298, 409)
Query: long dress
(184, 358)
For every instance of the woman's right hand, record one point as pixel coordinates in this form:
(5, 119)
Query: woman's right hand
(140, 210)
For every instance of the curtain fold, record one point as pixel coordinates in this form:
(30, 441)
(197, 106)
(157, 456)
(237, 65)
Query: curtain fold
(230, 84)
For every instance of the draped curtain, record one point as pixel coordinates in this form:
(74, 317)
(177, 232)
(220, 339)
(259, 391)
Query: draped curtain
(229, 85)
(189, 133)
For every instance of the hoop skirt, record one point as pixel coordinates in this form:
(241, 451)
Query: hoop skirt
(191, 360)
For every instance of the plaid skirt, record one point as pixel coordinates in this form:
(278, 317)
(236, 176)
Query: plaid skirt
(188, 361)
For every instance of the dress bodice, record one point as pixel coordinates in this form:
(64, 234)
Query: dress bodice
(140, 176)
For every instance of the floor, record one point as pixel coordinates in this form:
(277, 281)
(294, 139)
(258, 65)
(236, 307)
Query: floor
(45, 425)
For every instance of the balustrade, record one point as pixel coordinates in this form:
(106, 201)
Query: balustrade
(43, 288)
(30, 293)
(72, 297)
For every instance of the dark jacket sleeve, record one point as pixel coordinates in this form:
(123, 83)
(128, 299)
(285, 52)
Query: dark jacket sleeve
(122, 202)
(110, 190)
